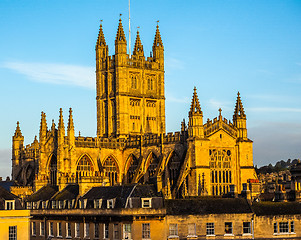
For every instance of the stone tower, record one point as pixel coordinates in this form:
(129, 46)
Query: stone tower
(130, 90)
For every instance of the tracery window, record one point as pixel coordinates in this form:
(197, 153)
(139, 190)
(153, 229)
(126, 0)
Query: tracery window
(133, 162)
(221, 174)
(134, 81)
(111, 170)
(84, 166)
(150, 85)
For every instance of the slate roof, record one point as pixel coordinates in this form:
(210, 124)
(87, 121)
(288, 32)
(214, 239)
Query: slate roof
(208, 205)
(145, 191)
(70, 192)
(121, 193)
(6, 184)
(43, 194)
(6, 195)
(276, 208)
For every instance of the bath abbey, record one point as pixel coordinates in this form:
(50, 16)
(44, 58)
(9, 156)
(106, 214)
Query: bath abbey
(205, 158)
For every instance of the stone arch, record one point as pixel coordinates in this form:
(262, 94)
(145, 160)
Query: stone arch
(150, 167)
(131, 166)
(84, 166)
(111, 169)
(52, 166)
(173, 166)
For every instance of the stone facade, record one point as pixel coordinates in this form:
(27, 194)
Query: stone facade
(132, 145)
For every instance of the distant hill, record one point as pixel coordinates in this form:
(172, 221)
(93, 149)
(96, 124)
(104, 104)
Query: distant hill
(279, 166)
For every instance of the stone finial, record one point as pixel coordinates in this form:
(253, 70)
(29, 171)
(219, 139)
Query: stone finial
(195, 104)
(120, 36)
(157, 40)
(101, 38)
(239, 111)
(138, 48)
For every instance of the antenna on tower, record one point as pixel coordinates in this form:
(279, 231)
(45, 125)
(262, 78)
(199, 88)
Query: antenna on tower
(130, 28)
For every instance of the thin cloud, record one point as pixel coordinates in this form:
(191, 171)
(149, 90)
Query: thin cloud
(216, 104)
(171, 98)
(54, 73)
(174, 64)
(271, 109)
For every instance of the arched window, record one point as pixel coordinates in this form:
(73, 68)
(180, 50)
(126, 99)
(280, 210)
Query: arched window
(134, 81)
(133, 164)
(174, 165)
(85, 166)
(220, 166)
(53, 170)
(110, 169)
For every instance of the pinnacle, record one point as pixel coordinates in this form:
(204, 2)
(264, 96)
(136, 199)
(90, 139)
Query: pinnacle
(158, 40)
(195, 104)
(101, 38)
(70, 121)
(138, 48)
(61, 120)
(239, 109)
(120, 36)
(18, 132)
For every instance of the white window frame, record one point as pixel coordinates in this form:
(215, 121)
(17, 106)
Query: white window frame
(292, 227)
(53, 204)
(230, 225)
(97, 203)
(12, 232)
(106, 230)
(146, 202)
(33, 229)
(44, 205)
(59, 230)
(86, 230)
(146, 231)
(283, 226)
(61, 204)
(77, 230)
(246, 230)
(96, 230)
(42, 229)
(28, 205)
(110, 203)
(9, 204)
(173, 230)
(68, 230)
(51, 230)
(115, 231)
(191, 230)
(210, 229)
(127, 231)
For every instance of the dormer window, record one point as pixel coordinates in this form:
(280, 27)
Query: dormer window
(9, 204)
(61, 204)
(110, 203)
(43, 204)
(97, 203)
(34, 205)
(53, 204)
(28, 205)
(146, 202)
(69, 204)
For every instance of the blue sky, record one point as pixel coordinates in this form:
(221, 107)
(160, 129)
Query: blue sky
(47, 61)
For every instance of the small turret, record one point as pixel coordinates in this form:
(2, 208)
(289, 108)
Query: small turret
(18, 142)
(239, 119)
(138, 48)
(195, 125)
(158, 49)
(120, 41)
(101, 48)
(70, 129)
(43, 129)
(61, 129)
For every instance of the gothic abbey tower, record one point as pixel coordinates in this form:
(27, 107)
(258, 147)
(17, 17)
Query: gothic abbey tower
(204, 158)
(130, 90)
